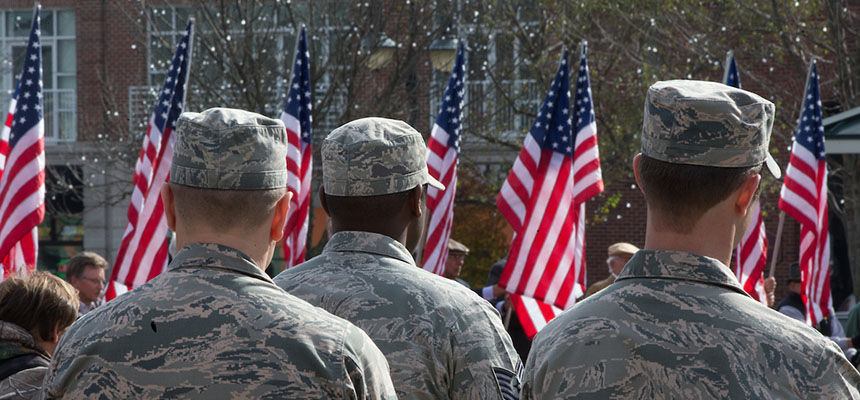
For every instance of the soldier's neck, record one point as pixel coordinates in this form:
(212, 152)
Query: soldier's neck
(712, 236)
(258, 247)
(393, 231)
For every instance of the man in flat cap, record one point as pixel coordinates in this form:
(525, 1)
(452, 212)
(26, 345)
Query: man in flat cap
(441, 340)
(457, 253)
(619, 254)
(676, 323)
(214, 325)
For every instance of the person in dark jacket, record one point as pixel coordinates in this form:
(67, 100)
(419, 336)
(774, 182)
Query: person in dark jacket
(34, 313)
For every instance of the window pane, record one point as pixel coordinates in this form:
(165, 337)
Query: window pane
(18, 53)
(48, 66)
(66, 56)
(161, 19)
(67, 125)
(158, 80)
(182, 15)
(66, 82)
(48, 100)
(67, 101)
(18, 23)
(47, 23)
(160, 53)
(66, 23)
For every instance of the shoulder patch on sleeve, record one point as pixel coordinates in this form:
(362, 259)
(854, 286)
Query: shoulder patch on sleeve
(509, 382)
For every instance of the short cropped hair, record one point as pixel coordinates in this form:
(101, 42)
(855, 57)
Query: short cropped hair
(682, 193)
(225, 209)
(38, 303)
(83, 260)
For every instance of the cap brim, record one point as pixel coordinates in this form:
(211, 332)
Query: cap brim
(772, 166)
(433, 182)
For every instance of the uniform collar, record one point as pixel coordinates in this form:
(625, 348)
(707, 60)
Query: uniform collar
(213, 255)
(678, 265)
(367, 242)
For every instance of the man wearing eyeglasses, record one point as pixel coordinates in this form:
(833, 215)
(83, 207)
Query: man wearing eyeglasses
(86, 273)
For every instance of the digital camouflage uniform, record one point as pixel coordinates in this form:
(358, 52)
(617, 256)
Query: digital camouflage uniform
(214, 325)
(677, 325)
(442, 341)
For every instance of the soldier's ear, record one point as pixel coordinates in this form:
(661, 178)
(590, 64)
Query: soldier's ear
(279, 219)
(746, 194)
(416, 200)
(322, 199)
(169, 206)
(636, 169)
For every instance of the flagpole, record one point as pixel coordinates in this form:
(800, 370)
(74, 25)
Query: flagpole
(508, 317)
(729, 56)
(187, 72)
(776, 244)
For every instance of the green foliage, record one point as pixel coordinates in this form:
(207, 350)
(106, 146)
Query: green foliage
(606, 203)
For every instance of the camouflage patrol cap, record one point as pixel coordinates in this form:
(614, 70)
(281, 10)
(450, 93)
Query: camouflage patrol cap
(223, 148)
(374, 156)
(707, 124)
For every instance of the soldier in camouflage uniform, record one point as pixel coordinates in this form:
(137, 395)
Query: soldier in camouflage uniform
(442, 341)
(676, 324)
(214, 325)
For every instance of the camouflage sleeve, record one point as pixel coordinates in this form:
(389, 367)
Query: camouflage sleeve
(532, 376)
(836, 378)
(53, 386)
(366, 366)
(486, 365)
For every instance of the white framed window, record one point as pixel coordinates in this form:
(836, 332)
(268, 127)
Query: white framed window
(59, 62)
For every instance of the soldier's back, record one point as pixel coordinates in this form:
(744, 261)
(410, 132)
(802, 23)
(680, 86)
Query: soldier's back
(205, 329)
(679, 326)
(441, 340)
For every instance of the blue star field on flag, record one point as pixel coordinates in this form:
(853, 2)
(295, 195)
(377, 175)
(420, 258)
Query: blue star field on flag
(552, 127)
(173, 93)
(450, 117)
(810, 129)
(28, 93)
(299, 98)
(732, 77)
(583, 111)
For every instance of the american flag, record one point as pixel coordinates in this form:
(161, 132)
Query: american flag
(731, 76)
(297, 119)
(533, 314)
(442, 160)
(751, 257)
(804, 198)
(22, 165)
(751, 253)
(544, 195)
(143, 252)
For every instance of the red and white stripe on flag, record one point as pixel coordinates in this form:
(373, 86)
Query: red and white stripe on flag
(297, 119)
(544, 194)
(751, 253)
(804, 197)
(143, 252)
(442, 159)
(22, 165)
(751, 257)
(533, 314)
